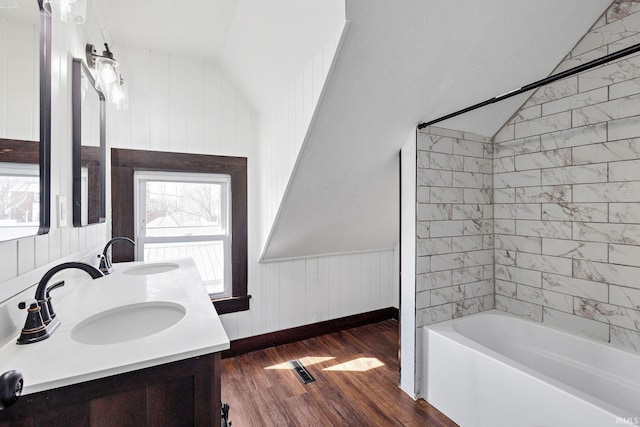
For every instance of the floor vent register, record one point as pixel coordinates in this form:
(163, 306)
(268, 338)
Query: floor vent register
(302, 372)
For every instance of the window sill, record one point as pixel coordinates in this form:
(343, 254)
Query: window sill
(231, 305)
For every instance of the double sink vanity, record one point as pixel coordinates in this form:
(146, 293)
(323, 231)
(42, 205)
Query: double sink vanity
(140, 346)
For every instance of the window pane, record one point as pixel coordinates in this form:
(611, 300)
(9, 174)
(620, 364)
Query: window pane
(184, 209)
(19, 206)
(208, 257)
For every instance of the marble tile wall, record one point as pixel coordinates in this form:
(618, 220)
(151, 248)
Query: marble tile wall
(454, 225)
(567, 194)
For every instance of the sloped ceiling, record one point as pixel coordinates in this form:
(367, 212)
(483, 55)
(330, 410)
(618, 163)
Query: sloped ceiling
(402, 63)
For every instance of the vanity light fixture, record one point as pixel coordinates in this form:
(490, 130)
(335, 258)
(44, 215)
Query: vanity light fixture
(108, 80)
(74, 11)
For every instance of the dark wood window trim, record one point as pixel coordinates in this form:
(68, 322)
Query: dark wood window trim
(125, 162)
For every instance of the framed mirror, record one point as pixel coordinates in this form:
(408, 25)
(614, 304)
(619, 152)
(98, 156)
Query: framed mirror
(25, 120)
(89, 147)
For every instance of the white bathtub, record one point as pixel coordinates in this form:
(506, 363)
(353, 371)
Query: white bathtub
(493, 369)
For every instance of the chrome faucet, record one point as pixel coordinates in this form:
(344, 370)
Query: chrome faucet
(41, 320)
(105, 259)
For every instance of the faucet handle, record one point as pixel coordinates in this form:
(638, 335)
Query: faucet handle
(31, 303)
(52, 314)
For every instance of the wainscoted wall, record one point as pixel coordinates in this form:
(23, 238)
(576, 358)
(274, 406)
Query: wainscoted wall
(567, 194)
(454, 262)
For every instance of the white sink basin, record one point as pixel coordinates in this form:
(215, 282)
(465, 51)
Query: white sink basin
(128, 323)
(156, 268)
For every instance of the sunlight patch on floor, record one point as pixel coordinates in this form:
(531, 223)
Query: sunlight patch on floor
(361, 364)
(306, 361)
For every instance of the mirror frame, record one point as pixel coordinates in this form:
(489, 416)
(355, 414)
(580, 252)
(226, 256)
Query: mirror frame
(77, 68)
(45, 120)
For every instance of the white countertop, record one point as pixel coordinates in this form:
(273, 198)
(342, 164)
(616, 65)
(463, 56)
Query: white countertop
(59, 360)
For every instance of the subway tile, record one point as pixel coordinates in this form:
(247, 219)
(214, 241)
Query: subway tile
(423, 264)
(607, 34)
(448, 294)
(574, 137)
(517, 146)
(447, 228)
(543, 159)
(472, 164)
(623, 129)
(608, 233)
(428, 281)
(474, 258)
(625, 297)
(546, 194)
(556, 90)
(430, 142)
(575, 249)
(433, 177)
(624, 212)
(468, 211)
(587, 212)
(487, 241)
(505, 257)
(464, 275)
(628, 149)
(446, 195)
(545, 298)
(545, 124)
(519, 243)
(466, 243)
(528, 178)
(504, 226)
(607, 273)
(478, 226)
(434, 212)
(590, 289)
(427, 247)
(447, 261)
(506, 133)
(575, 174)
(628, 170)
(609, 74)
(423, 194)
(464, 147)
(504, 164)
(422, 229)
(527, 113)
(505, 288)
(611, 110)
(446, 162)
(625, 338)
(576, 324)
(518, 211)
(504, 195)
(423, 300)
(580, 58)
(477, 195)
(624, 254)
(422, 161)
(489, 302)
(478, 289)
(519, 308)
(468, 306)
(435, 130)
(622, 89)
(613, 314)
(544, 263)
(607, 192)
(577, 100)
(431, 315)
(519, 275)
(559, 229)
(620, 9)
(468, 179)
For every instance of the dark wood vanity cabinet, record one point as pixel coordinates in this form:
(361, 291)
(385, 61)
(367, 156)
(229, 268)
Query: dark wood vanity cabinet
(182, 393)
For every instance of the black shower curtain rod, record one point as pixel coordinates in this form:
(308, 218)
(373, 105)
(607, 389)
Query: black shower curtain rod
(583, 67)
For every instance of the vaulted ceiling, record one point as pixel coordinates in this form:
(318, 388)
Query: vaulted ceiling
(401, 63)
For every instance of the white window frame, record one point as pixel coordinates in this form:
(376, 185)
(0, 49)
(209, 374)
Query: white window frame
(140, 179)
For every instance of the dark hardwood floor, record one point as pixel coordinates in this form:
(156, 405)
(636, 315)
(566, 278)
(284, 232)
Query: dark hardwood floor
(356, 374)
